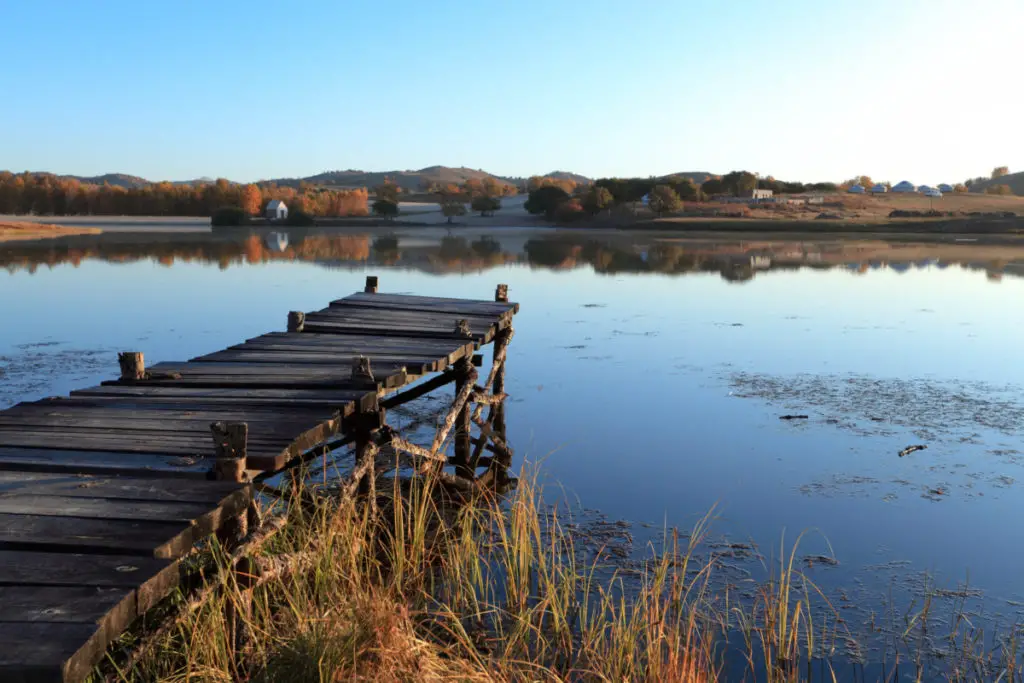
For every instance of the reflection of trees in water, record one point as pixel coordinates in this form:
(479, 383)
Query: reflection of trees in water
(459, 253)
(734, 261)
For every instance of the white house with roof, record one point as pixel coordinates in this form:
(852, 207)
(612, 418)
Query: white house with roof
(904, 186)
(276, 210)
(856, 189)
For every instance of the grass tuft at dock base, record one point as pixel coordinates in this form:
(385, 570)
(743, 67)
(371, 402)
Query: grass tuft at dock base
(499, 588)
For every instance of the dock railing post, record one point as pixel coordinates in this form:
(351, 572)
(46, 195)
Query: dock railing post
(133, 365)
(296, 321)
(371, 284)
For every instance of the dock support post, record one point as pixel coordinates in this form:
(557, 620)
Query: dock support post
(296, 321)
(371, 284)
(501, 341)
(465, 374)
(367, 421)
(133, 365)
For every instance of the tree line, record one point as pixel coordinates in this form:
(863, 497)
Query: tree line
(46, 194)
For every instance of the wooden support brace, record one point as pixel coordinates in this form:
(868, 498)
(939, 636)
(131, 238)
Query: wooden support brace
(133, 365)
(463, 329)
(371, 284)
(229, 443)
(449, 421)
(446, 377)
(296, 321)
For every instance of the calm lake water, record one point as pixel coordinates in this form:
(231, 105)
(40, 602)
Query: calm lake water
(649, 375)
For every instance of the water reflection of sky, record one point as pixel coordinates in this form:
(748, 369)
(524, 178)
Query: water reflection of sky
(654, 397)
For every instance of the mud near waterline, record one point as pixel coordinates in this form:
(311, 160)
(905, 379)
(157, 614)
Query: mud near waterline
(932, 410)
(33, 370)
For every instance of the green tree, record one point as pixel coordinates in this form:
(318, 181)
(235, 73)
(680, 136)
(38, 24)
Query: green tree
(1000, 171)
(385, 208)
(739, 183)
(713, 186)
(486, 205)
(663, 199)
(388, 190)
(450, 208)
(597, 199)
(546, 199)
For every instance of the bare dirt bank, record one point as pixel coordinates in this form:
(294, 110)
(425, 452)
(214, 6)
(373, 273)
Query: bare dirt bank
(25, 230)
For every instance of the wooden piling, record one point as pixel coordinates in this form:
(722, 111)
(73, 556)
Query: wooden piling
(296, 321)
(366, 422)
(371, 284)
(462, 328)
(501, 294)
(133, 365)
(465, 375)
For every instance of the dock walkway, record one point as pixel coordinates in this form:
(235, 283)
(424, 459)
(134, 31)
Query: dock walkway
(102, 492)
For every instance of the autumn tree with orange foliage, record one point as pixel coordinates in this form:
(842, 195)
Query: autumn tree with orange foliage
(536, 182)
(252, 199)
(46, 194)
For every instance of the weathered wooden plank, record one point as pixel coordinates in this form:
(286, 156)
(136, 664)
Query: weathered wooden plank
(148, 574)
(130, 423)
(197, 441)
(389, 376)
(362, 343)
(165, 540)
(310, 366)
(100, 508)
(48, 653)
(310, 397)
(429, 303)
(67, 604)
(218, 409)
(404, 316)
(157, 465)
(92, 486)
(326, 325)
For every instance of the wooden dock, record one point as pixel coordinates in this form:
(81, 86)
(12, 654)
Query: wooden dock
(103, 491)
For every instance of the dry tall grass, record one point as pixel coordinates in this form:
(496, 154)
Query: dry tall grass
(497, 589)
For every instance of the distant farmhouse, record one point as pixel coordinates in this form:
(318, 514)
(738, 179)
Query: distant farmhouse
(879, 189)
(276, 210)
(945, 187)
(758, 195)
(904, 186)
(856, 189)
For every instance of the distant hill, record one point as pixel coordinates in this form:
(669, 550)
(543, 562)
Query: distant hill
(698, 177)
(1014, 180)
(408, 180)
(568, 175)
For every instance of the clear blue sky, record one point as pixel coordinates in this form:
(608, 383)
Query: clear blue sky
(926, 90)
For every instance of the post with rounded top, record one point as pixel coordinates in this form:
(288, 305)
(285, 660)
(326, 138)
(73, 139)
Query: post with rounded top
(371, 284)
(501, 294)
(296, 321)
(230, 440)
(133, 365)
